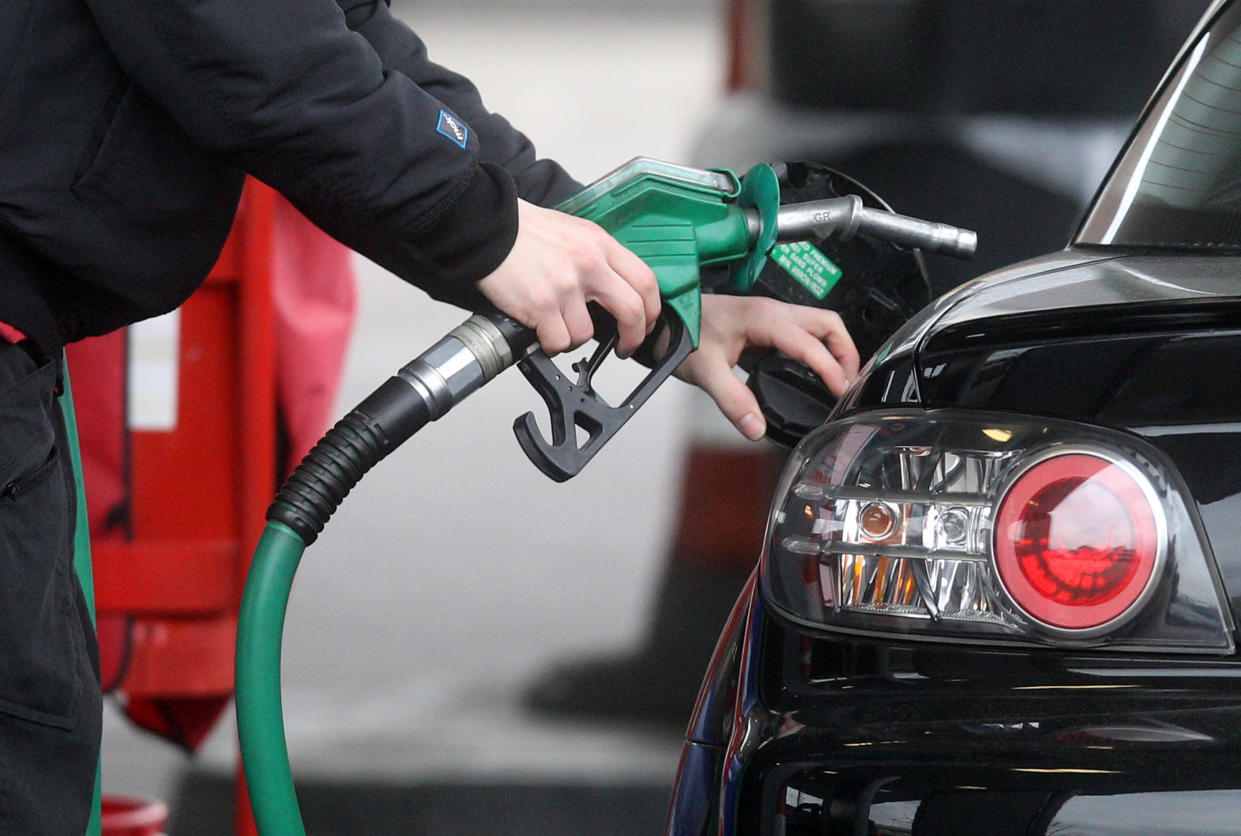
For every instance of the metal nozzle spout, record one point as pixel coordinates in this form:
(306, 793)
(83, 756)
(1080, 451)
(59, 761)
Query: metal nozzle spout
(925, 235)
(844, 217)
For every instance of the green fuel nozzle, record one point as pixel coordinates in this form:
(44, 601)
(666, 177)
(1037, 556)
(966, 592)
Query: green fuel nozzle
(680, 220)
(676, 219)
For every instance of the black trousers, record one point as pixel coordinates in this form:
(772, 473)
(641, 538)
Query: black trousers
(50, 713)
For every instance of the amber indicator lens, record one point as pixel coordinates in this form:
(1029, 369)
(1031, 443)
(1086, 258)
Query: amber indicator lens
(1076, 541)
(877, 521)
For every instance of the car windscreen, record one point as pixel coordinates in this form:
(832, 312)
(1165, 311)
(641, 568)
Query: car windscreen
(1178, 181)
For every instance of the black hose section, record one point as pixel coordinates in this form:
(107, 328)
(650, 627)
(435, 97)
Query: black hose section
(372, 430)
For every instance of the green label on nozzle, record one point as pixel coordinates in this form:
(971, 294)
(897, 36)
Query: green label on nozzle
(808, 267)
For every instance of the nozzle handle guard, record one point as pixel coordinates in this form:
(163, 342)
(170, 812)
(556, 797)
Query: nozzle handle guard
(575, 405)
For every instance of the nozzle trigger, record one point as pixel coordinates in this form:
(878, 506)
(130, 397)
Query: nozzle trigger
(576, 405)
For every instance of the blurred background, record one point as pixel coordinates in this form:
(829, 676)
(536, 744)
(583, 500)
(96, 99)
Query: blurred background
(472, 648)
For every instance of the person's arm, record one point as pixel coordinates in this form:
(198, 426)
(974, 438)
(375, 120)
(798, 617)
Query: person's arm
(284, 90)
(539, 181)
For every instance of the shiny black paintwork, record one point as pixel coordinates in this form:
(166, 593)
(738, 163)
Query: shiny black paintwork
(842, 717)
(868, 731)
(804, 731)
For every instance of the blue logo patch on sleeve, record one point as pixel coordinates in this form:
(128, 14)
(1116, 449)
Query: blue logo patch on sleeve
(453, 128)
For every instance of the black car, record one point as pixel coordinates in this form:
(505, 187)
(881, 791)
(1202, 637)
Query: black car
(999, 586)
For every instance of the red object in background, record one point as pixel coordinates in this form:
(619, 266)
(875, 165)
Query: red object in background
(175, 513)
(747, 44)
(127, 816)
(315, 302)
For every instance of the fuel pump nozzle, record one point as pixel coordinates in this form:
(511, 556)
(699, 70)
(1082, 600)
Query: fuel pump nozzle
(844, 217)
(680, 220)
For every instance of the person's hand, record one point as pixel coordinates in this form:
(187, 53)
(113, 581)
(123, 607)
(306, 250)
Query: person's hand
(558, 264)
(731, 324)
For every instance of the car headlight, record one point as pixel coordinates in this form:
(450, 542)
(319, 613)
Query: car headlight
(989, 527)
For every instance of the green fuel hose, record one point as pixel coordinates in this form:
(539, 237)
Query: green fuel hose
(260, 715)
(424, 390)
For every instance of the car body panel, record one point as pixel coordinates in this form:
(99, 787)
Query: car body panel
(849, 732)
(886, 730)
(871, 731)
(850, 715)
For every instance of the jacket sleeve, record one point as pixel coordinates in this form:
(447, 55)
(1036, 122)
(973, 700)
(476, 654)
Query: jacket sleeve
(284, 90)
(539, 181)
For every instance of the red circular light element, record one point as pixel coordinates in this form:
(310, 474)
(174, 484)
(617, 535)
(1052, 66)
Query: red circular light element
(1076, 541)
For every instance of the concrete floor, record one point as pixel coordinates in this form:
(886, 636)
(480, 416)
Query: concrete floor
(456, 571)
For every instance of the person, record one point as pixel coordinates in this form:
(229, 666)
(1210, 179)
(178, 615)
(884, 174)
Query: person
(126, 129)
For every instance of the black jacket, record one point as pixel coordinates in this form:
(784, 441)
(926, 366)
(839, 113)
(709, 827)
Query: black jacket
(126, 126)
